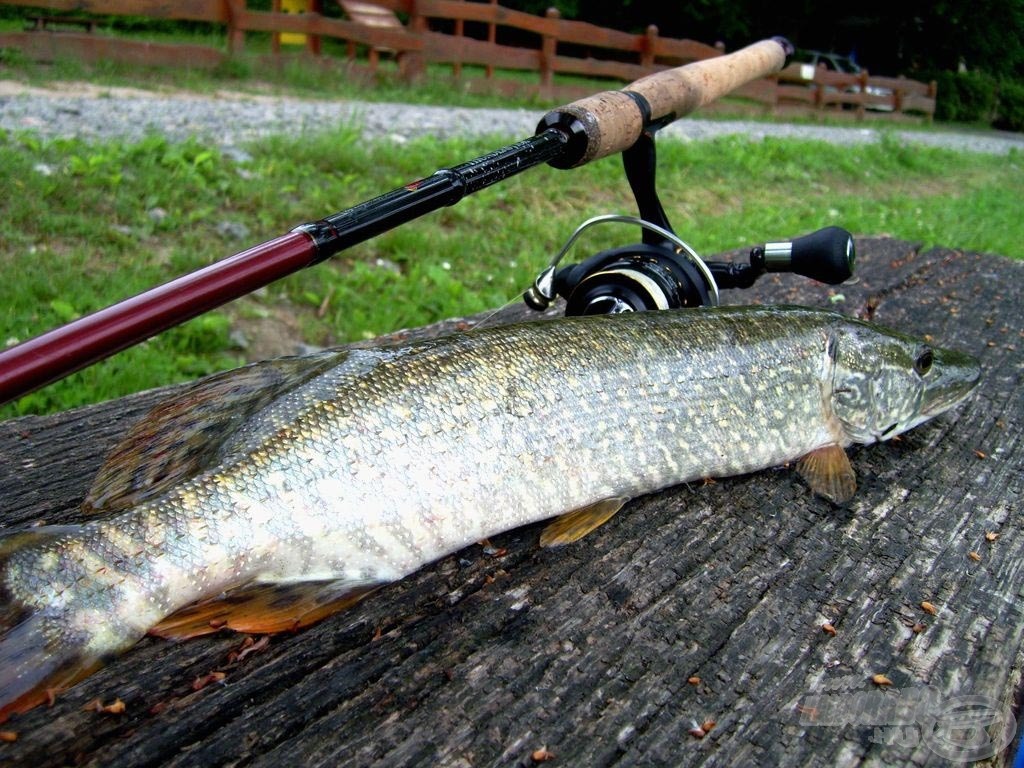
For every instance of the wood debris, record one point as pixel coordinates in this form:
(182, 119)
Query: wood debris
(117, 707)
(213, 677)
(541, 755)
(248, 646)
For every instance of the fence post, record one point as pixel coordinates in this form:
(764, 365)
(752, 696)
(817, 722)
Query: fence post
(313, 41)
(236, 35)
(861, 113)
(412, 65)
(548, 48)
(492, 38)
(933, 94)
(897, 96)
(275, 37)
(459, 31)
(819, 89)
(650, 41)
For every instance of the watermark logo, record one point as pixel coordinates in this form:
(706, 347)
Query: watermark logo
(962, 728)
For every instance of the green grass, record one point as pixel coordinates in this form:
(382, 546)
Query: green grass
(81, 227)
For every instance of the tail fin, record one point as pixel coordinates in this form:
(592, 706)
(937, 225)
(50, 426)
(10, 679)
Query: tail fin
(32, 671)
(39, 654)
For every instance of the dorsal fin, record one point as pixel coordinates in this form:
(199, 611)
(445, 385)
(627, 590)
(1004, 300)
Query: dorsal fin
(184, 434)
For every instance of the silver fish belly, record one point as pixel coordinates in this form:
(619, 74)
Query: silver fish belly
(326, 476)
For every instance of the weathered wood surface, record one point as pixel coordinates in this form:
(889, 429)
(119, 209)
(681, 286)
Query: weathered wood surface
(481, 660)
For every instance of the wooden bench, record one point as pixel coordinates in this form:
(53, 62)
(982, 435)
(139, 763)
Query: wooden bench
(370, 15)
(702, 603)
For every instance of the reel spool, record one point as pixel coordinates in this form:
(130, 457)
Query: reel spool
(642, 276)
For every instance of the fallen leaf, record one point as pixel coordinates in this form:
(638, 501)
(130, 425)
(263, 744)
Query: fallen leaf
(213, 677)
(829, 629)
(95, 705)
(116, 708)
(929, 608)
(880, 680)
(252, 647)
(541, 755)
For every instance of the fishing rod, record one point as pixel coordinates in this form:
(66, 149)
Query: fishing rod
(597, 126)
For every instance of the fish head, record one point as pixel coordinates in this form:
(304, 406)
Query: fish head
(884, 383)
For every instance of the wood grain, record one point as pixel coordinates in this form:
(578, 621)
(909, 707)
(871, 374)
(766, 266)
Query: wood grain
(593, 651)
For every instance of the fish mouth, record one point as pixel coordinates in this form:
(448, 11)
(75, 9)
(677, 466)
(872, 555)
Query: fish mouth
(953, 376)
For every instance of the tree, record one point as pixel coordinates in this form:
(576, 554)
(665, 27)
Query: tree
(886, 37)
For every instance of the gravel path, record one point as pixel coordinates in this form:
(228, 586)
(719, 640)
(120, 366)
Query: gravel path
(76, 109)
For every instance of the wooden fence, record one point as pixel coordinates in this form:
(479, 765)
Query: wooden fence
(563, 47)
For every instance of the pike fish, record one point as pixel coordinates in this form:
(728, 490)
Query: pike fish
(266, 498)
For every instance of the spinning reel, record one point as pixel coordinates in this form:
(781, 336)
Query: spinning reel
(662, 271)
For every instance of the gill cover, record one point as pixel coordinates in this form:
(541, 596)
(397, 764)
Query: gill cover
(884, 383)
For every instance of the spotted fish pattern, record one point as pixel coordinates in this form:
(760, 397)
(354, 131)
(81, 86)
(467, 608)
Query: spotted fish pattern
(266, 498)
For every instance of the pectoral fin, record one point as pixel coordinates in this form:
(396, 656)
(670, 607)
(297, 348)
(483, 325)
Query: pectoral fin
(574, 525)
(263, 609)
(827, 470)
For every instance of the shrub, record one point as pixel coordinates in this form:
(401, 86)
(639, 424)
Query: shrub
(1010, 110)
(965, 97)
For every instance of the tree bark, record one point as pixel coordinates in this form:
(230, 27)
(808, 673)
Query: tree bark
(701, 603)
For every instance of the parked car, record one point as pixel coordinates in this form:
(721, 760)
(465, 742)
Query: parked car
(834, 62)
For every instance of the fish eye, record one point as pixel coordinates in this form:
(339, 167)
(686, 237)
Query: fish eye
(924, 361)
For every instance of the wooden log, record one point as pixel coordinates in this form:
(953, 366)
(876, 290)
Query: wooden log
(702, 603)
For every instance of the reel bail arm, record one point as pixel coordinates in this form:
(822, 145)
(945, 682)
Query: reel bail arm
(663, 272)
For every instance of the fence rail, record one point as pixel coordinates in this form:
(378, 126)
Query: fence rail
(593, 51)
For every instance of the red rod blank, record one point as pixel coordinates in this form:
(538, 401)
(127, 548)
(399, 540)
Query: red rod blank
(39, 361)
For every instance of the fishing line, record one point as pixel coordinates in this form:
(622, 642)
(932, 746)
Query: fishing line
(491, 315)
(542, 292)
(542, 286)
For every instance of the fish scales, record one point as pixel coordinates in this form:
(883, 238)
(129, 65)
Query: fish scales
(386, 459)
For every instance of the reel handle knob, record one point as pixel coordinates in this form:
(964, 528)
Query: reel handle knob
(827, 256)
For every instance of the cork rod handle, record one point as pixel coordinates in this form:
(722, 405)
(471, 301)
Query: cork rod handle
(612, 121)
